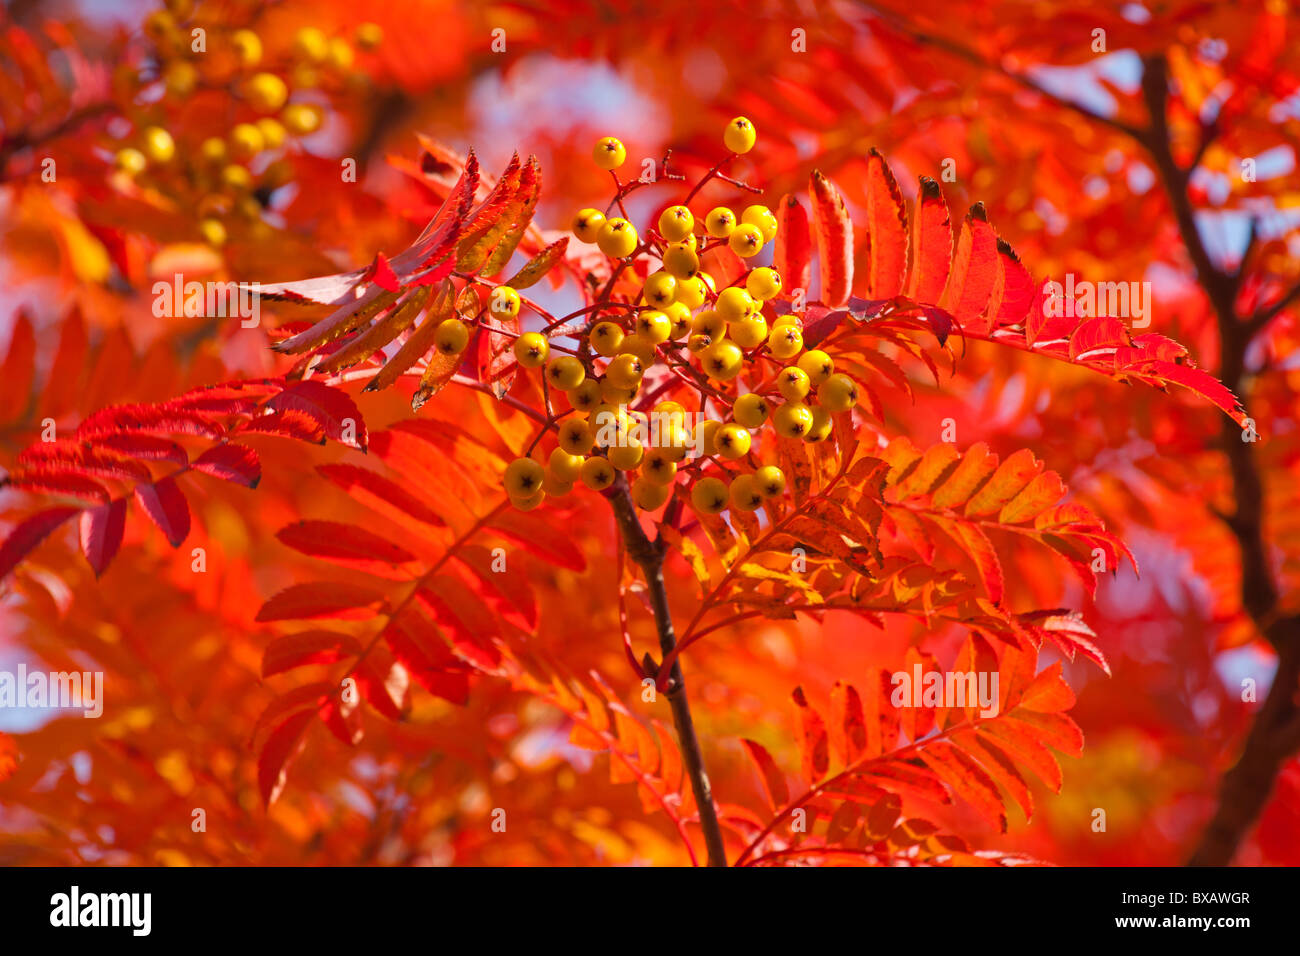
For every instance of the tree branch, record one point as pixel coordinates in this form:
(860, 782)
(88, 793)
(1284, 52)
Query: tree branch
(649, 555)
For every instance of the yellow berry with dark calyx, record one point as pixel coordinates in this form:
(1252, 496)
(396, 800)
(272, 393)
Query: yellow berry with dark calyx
(130, 161)
(709, 496)
(158, 145)
(698, 343)
(265, 92)
(789, 318)
(531, 502)
(676, 223)
(503, 303)
(213, 232)
(273, 133)
(723, 360)
(649, 496)
(733, 303)
(818, 365)
(180, 78)
(597, 474)
(625, 370)
(617, 238)
(248, 47)
(821, 426)
(763, 283)
(531, 349)
(679, 319)
(763, 218)
(451, 336)
(744, 493)
(792, 420)
(751, 410)
(564, 466)
(654, 326)
(681, 262)
(720, 222)
(605, 338)
(612, 394)
(607, 415)
(793, 384)
(575, 437)
(587, 223)
(838, 393)
(748, 331)
(739, 135)
(369, 35)
(691, 292)
(565, 372)
(608, 153)
(627, 454)
(523, 477)
(246, 141)
(311, 44)
(660, 289)
(785, 341)
(709, 323)
(659, 467)
(302, 118)
(746, 241)
(640, 346)
(770, 481)
(585, 397)
(733, 441)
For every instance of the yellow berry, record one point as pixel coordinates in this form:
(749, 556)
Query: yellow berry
(311, 44)
(237, 178)
(614, 394)
(565, 466)
(659, 467)
(625, 371)
(763, 283)
(838, 393)
(649, 496)
(597, 474)
(369, 35)
(733, 441)
(575, 437)
(698, 343)
(740, 135)
(789, 318)
(605, 338)
(627, 455)
(746, 241)
(531, 349)
(302, 118)
(213, 232)
(585, 397)
(554, 485)
(586, 225)
(248, 47)
(723, 360)
(246, 141)
(793, 383)
(341, 56)
(130, 161)
(770, 480)
(709, 496)
(734, 302)
(762, 217)
(744, 493)
(691, 292)
(710, 324)
(565, 372)
(266, 92)
(706, 433)
(273, 133)
(503, 303)
(608, 153)
(786, 341)
(181, 77)
(213, 149)
(681, 261)
(158, 145)
(720, 222)
(654, 326)
(640, 346)
(676, 223)
(817, 364)
(820, 428)
(748, 331)
(451, 336)
(532, 501)
(751, 410)
(617, 238)
(792, 420)
(523, 477)
(679, 318)
(660, 289)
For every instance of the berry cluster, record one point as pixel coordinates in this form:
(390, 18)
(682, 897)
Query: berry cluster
(676, 321)
(227, 178)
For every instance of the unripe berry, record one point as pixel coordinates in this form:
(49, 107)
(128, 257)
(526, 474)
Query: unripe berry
(640, 346)
(792, 420)
(523, 478)
(266, 92)
(660, 289)
(597, 474)
(659, 467)
(311, 44)
(751, 410)
(679, 318)
(130, 161)
(451, 336)
(723, 360)
(625, 371)
(748, 331)
(605, 338)
(733, 441)
(763, 283)
(586, 225)
(746, 241)
(626, 456)
(785, 342)
(649, 496)
(740, 135)
(617, 238)
(762, 217)
(770, 480)
(246, 141)
(158, 145)
(681, 261)
(720, 222)
(709, 496)
(608, 153)
(744, 493)
(248, 47)
(565, 466)
(691, 292)
(817, 364)
(531, 349)
(792, 383)
(302, 118)
(565, 372)
(820, 429)
(734, 302)
(585, 397)
(838, 393)
(503, 304)
(575, 437)
(676, 223)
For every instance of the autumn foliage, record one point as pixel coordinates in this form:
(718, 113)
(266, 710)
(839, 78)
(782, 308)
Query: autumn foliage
(367, 583)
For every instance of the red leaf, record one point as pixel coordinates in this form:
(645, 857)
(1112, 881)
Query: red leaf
(145, 447)
(931, 245)
(164, 502)
(778, 793)
(45, 482)
(333, 410)
(792, 253)
(886, 230)
(101, 533)
(815, 744)
(537, 537)
(307, 647)
(231, 462)
(321, 599)
(280, 747)
(834, 233)
(385, 686)
(380, 493)
(28, 534)
(342, 542)
(975, 268)
(381, 274)
(288, 423)
(19, 368)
